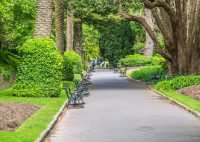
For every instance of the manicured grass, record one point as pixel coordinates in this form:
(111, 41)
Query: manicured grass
(169, 87)
(188, 101)
(31, 129)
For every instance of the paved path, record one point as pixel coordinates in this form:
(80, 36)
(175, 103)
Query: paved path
(120, 110)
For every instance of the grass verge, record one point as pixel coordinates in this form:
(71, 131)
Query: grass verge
(168, 88)
(31, 129)
(189, 102)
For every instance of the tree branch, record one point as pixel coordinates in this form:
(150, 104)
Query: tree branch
(148, 29)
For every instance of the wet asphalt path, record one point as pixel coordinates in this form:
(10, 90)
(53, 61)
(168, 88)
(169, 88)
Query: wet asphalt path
(121, 110)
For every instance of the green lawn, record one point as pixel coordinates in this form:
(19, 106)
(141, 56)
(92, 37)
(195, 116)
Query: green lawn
(188, 101)
(30, 130)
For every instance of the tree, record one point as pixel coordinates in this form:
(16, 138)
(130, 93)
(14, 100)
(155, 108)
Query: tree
(116, 41)
(80, 12)
(90, 42)
(70, 31)
(149, 44)
(59, 24)
(17, 19)
(178, 21)
(78, 36)
(44, 18)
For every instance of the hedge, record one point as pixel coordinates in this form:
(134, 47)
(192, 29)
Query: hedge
(178, 82)
(40, 73)
(149, 73)
(72, 65)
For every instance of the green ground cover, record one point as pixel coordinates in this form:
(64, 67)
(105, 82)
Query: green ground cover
(188, 101)
(31, 129)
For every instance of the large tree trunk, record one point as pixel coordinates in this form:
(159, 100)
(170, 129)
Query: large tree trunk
(78, 39)
(178, 21)
(59, 24)
(44, 18)
(70, 31)
(149, 44)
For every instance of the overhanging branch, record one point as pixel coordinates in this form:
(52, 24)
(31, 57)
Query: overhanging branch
(141, 20)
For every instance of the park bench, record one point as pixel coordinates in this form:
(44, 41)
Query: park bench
(76, 98)
(123, 71)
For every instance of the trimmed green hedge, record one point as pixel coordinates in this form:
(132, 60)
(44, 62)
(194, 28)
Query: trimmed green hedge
(40, 73)
(72, 65)
(135, 60)
(157, 60)
(149, 73)
(178, 82)
(141, 60)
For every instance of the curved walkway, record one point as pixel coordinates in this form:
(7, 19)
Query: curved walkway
(120, 110)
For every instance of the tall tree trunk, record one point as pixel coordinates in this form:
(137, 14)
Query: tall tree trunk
(78, 39)
(149, 44)
(59, 24)
(44, 18)
(70, 31)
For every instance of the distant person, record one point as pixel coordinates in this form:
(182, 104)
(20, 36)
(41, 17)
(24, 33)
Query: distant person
(93, 64)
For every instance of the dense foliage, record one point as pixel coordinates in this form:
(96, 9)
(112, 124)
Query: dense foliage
(91, 42)
(178, 82)
(16, 25)
(6, 71)
(68, 87)
(138, 46)
(149, 73)
(141, 60)
(72, 65)
(16, 20)
(40, 73)
(84, 8)
(135, 60)
(116, 41)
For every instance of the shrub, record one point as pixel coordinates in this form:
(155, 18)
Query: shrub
(7, 71)
(178, 82)
(40, 73)
(68, 73)
(77, 78)
(149, 73)
(138, 46)
(158, 60)
(135, 60)
(68, 86)
(72, 65)
(141, 60)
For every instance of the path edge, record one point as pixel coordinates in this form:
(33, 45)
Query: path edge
(185, 107)
(188, 109)
(46, 132)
